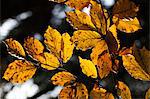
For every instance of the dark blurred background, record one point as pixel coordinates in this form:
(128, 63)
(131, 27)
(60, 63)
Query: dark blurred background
(31, 18)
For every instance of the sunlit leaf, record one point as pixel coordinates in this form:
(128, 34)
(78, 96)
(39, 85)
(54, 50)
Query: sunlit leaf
(14, 47)
(19, 71)
(62, 78)
(104, 64)
(85, 39)
(100, 47)
(33, 46)
(100, 93)
(53, 40)
(98, 17)
(76, 91)
(127, 25)
(134, 68)
(80, 20)
(78, 4)
(123, 91)
(88, 68)
(47, 60)
(66, 47)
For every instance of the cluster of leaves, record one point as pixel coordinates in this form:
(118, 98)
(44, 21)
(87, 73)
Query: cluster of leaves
(96, 31)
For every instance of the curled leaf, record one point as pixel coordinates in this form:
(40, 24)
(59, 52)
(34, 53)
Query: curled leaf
(14, 47)
(133, 68)
(112, 39)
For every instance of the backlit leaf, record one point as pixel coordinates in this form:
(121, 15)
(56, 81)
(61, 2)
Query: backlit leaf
(134, 68)
(100, 47)
(53, 41)
(88, 68)
(33, 46)
(19, 71)
(78, 4)
(125, 51)
(125, 9)
(76, 91)
(127, 25)
(80, 20)
(14, 47)
(62, 78)
(66, 47)
(123, 91)
(47, 60)
(85, 39)
(100, 93)
(104, 64)
(98, 17)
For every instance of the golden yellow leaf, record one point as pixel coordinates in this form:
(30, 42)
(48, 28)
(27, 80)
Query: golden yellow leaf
(67, 47)
(53, 41)
(80, 20)
(62, 78)
(100, 93)
(88, 68)
(76, 91)
(98, 17)
(19, 71)
(123, 91)
(100, 47)
(113, 31)
(125, 9)
(47, 60)
(104, 64)
(127, 25)
(147, 96)
(14, 47)
(85, 39)
(78, 4)
(61, 46)
(134, 68)
(33, 46)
